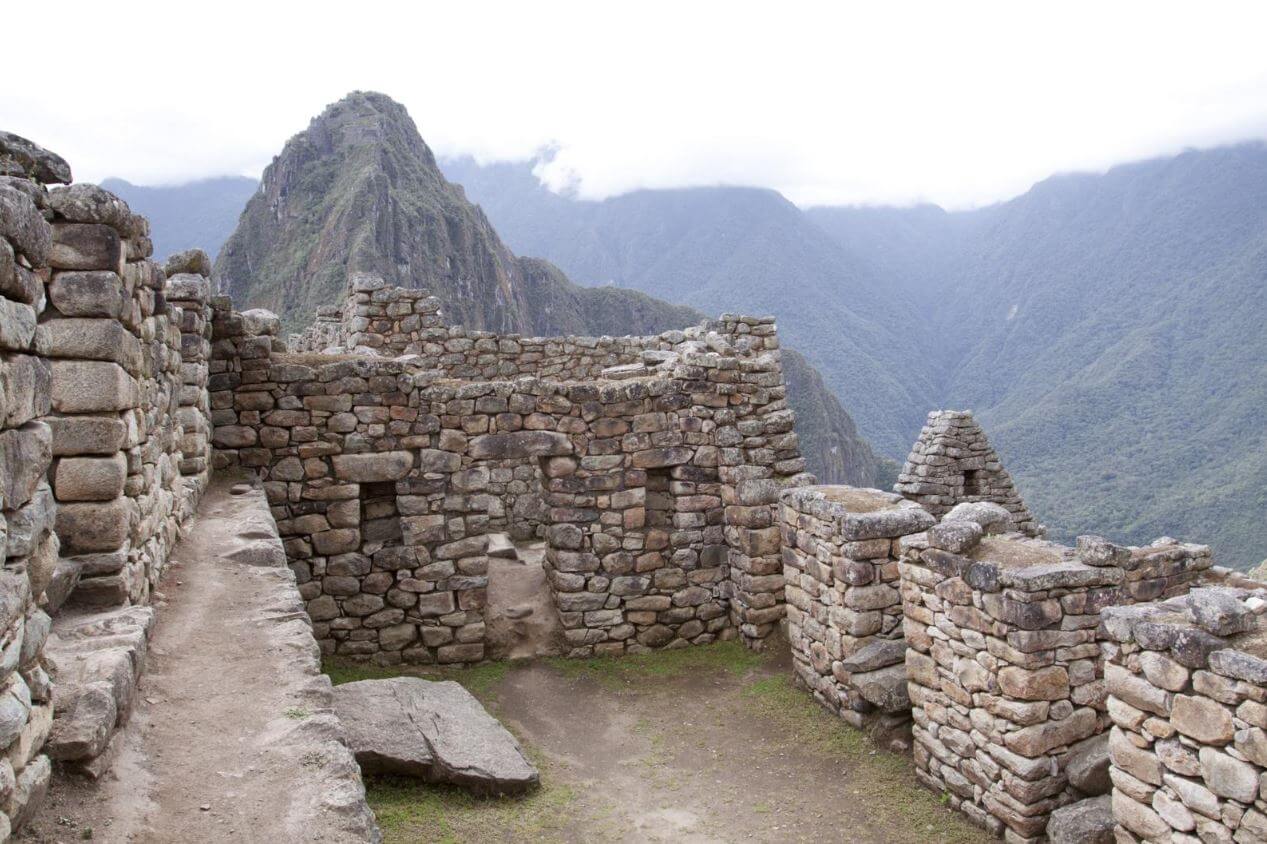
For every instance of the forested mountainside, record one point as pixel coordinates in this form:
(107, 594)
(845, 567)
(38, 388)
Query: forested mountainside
(1107, 329)
(727, 249)
(198, 214)
(359, 190)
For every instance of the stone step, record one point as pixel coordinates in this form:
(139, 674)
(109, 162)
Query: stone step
(96, 660)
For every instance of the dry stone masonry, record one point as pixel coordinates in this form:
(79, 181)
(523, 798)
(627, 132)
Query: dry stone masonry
(1006, 675)
(104, 452)
(952, 463)
(1093, 693)
(1187, 685)
(651, 467)
(841, 547)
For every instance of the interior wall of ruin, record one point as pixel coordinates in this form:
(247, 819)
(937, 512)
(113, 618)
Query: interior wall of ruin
(652, 472)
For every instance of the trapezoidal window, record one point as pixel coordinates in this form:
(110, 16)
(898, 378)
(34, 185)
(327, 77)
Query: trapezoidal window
(973, 483)
(380, 518)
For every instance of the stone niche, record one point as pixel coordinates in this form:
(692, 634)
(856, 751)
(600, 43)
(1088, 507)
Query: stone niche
(840, 562)
(1006, 674)
(1187, 684)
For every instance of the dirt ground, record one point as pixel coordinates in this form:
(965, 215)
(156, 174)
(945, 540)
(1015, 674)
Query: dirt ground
(699, 746)
(222, 745)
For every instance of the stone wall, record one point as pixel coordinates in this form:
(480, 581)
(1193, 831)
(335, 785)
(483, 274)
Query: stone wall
(651, 470)
(953, 463)
(840, 561)
(103, 427)
(1005, 672)
(1187, 684)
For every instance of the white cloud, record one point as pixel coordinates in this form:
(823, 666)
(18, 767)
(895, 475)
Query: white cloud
(956, 103)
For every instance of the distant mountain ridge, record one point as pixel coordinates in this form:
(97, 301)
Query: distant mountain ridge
(360, 191)
(1107, 329)
(198, 214)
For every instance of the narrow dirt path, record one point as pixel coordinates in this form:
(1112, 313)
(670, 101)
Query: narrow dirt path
(232, 739)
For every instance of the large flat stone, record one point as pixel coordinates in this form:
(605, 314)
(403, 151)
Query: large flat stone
(436, 731)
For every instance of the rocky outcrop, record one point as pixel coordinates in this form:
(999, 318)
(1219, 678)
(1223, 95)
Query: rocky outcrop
(435, 731)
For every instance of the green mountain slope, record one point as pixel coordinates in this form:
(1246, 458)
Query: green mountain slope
(359, 190)
(728, 249)
(198, 214)
(1107, 329)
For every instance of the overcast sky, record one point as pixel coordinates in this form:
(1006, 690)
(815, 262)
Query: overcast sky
(957, 103)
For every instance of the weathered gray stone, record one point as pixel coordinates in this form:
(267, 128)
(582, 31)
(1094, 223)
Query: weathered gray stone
(258, 321)
(880, 653)
(1087, 766)
(85, 386)
(27, 158)
(89, 203)
(369, 468)
(885, 688)
(26, 382)
(992, 517)
(193, 261)
(1085, 822)
(90, 478)
(90, 339)
(24, 457)
(515, 444)
(1228, 776)
(96, 293)
(17, 325)
(435, 731)
(75, 435)
(92, 525)
(85, 246)
(22, 224)
(1219, 611)
(957, 537)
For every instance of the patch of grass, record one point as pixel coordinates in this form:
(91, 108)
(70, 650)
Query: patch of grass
(409, 811)
(479, 680)
(626, 671)
(297, 713)
(885, 781)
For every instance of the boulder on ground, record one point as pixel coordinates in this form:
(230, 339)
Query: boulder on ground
(435, 731)
(1085, 822)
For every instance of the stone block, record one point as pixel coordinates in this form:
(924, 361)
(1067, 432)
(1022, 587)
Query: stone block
(90, 478)
(89, 339)
(81, 386)
(75, 435)
(24, 457)
(86, 246)
(93, 526)
(374, 467)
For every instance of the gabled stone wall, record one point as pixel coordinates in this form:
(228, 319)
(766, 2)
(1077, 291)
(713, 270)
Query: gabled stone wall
(953, 463)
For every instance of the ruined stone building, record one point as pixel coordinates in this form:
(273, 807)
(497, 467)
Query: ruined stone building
(386, 457)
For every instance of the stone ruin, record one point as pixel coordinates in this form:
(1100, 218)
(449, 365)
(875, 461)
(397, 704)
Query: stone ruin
(952, 463)
(650, 466)
(1087, 693)
(104, 454)
(1000, 651)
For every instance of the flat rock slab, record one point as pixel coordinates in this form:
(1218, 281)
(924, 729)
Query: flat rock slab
(435, 731)
(96, 661)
